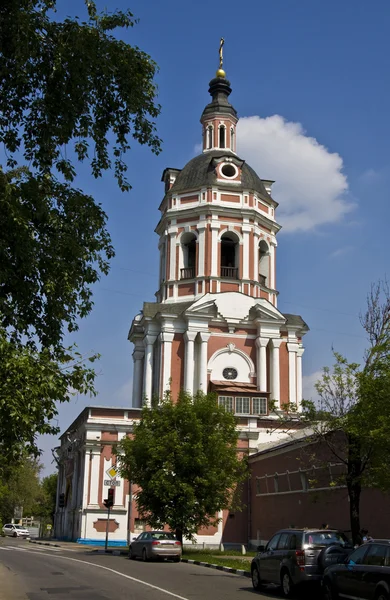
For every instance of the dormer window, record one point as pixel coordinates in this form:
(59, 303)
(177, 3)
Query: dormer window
(229, 171)
(222, 136)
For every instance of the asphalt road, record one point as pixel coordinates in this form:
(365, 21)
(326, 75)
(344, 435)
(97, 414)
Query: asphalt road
(46, 573)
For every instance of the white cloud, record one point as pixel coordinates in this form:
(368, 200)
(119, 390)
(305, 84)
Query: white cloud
(308, 382)
(310, 185)
(341, 251)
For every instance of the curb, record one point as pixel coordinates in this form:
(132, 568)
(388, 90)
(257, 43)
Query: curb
(113, 552)
(45, 543)
(218, 567)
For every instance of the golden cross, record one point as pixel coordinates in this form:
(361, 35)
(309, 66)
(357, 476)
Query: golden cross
(221, 43)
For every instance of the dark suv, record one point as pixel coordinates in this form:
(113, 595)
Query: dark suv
(293, 556)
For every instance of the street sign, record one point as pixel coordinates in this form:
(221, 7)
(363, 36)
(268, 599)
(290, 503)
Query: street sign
(49, 527)
(112, 472)
(112, 483)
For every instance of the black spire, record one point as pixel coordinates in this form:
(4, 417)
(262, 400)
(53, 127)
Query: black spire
(219, 90)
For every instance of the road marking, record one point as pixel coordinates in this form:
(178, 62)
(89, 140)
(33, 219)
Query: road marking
(84, 562)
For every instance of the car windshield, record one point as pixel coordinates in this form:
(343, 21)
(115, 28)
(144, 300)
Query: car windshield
(19, 527)
(163, 535)
(326, 538)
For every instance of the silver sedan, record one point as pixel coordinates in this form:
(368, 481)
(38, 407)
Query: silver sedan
(155, 544)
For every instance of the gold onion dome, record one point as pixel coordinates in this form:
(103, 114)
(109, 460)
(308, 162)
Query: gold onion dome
(221, 73)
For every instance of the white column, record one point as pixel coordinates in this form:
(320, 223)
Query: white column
(201, 248)
(204, 338)
(189, 338)
(245, 251)
(261, 344)
(148, 368)
(214, 248)
(172, 255)
(166, 341)
(299, 375)
(138, 356)
(292, 371)
(255, 274)
(275, 372)
(272, 282)
(95, 472)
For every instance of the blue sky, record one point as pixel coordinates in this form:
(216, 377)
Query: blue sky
(311, 83)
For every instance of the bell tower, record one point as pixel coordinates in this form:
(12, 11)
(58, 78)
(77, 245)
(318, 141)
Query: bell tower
(215, 325)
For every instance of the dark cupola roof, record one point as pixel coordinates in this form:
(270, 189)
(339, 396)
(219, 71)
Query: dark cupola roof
(200, 172)
(219, 90)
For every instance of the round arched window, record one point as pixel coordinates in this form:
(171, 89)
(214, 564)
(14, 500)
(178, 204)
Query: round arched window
(229, 171)
(230, 373)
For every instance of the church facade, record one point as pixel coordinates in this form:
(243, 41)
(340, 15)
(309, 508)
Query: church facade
(215, 325)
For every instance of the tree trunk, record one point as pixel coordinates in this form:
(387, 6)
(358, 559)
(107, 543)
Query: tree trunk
(354, 486)
(179, 534)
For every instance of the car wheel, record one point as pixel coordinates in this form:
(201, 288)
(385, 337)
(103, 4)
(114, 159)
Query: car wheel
(256, 581)
(329, 591)
(15, 534)
(131, 554)
(286, 583)
(176, 559)
(144, 555)
(382, 595)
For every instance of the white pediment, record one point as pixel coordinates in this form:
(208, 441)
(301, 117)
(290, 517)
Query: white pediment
(235, 307)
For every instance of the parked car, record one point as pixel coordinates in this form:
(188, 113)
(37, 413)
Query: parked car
(155, 544)
(16, 530)
(295, 556)
(364, 575)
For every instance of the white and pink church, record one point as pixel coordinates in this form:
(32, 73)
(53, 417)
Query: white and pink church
(215, 326)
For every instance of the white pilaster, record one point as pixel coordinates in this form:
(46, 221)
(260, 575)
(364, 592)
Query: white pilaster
(255, 274)
(148, 368)
(299, 375)
(245, 251)
(95, 468)
(272, 282)
(172, 254)
(275, 372)
(201, 248)
(138, 356)
(204, 338)
(214, 247)
(189, 338)
(166, 341)
(261, 344)
(292, 371)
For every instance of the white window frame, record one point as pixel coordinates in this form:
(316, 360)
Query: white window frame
(243, 400)
(261, 401)
(227, 402)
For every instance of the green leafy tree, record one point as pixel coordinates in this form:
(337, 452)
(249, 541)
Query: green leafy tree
(71, 91)
(19, 488)
(352, 417)
(184, 458)
(46, 502)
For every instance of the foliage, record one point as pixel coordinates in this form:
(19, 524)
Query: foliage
(353, 418)
(45, 505)
(184, 458)
(71, 91)
(19, 488)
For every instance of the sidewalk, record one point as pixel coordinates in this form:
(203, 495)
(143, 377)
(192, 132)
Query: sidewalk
(74, 546)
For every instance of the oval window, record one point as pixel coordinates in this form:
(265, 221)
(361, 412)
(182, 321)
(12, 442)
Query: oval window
(229, 170)
(230, 373)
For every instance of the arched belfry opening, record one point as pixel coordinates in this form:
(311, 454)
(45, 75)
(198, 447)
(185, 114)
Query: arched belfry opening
(229, 255)
(264, 259)
(188, 248)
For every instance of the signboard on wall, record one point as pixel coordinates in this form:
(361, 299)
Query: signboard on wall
(112, 483)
